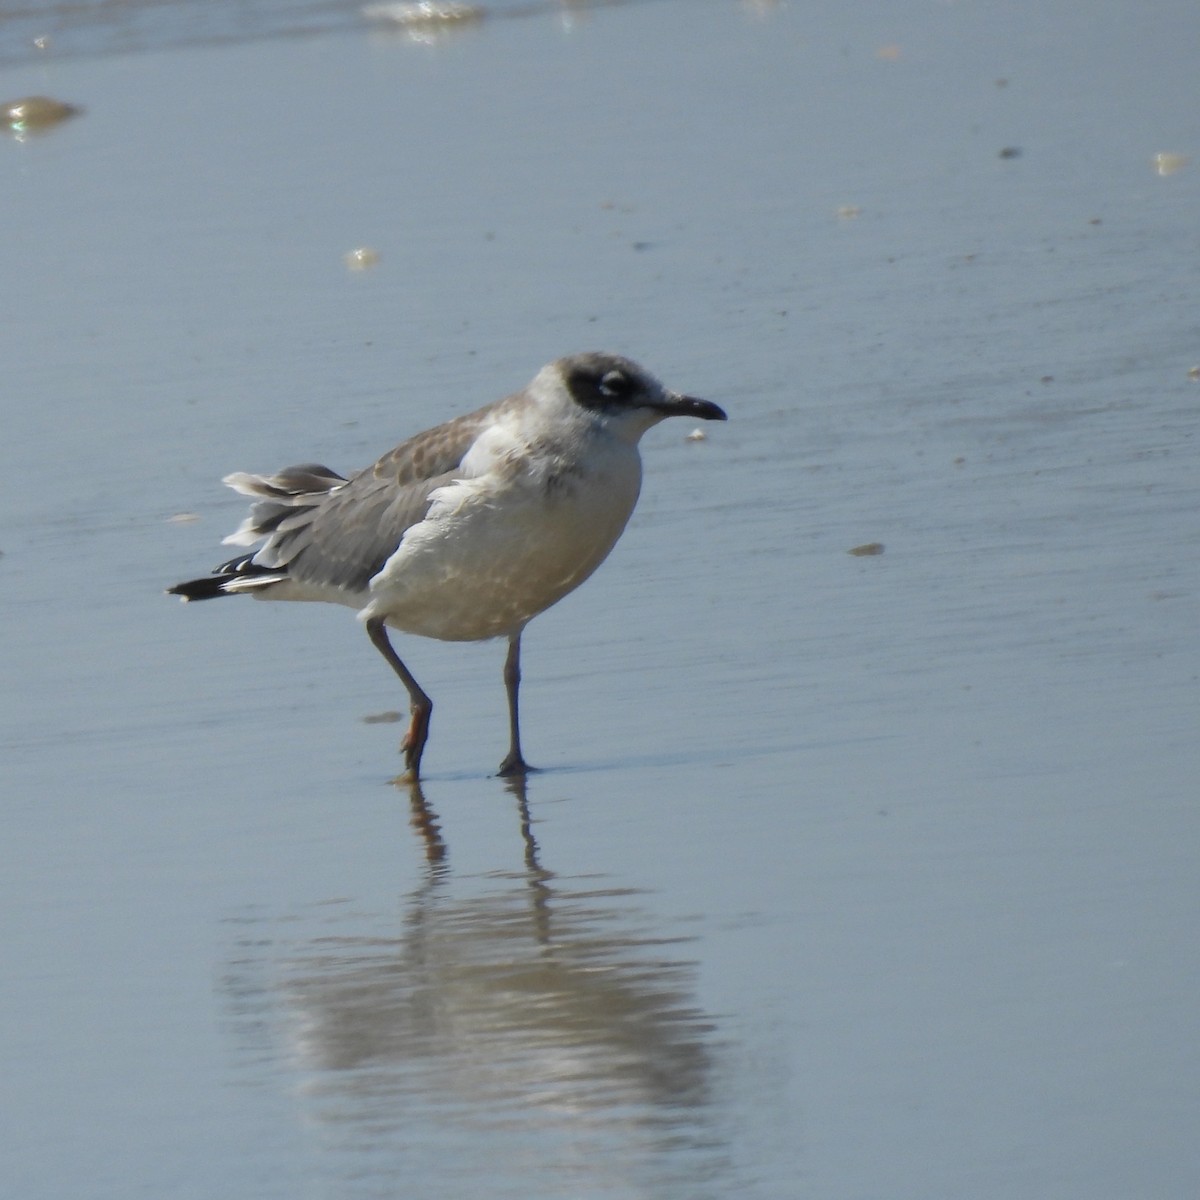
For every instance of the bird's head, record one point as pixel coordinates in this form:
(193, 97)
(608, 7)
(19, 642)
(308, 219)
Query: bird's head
(625, 395)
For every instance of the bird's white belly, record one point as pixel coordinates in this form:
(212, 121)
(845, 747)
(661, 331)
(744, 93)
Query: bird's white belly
(492, 553)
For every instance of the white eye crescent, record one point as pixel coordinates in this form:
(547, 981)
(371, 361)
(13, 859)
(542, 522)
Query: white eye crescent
(614, 385)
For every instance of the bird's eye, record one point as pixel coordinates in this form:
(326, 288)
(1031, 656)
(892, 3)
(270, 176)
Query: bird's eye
(615, 386)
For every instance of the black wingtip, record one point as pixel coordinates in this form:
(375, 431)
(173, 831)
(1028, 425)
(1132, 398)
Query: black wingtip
(208, 588)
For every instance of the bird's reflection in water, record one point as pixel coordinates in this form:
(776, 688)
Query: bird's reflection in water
(552, 1020)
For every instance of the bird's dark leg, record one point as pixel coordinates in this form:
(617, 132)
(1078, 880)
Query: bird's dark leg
(514, 763)
(420, 705)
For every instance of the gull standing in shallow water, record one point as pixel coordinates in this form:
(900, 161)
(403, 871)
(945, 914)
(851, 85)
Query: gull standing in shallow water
(466, 531)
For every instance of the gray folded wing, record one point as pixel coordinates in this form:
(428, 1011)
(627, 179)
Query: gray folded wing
(345, 540)
(340, 534)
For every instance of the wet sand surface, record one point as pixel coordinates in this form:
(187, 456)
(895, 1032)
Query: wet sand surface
(848, 874)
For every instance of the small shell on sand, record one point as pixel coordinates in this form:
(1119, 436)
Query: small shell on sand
(1167, 164)
(362, 258)
(425, 13)
(33, 114)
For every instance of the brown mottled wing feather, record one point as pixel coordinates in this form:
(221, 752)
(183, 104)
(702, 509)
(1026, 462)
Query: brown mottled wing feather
(436, 451)
(345, 538)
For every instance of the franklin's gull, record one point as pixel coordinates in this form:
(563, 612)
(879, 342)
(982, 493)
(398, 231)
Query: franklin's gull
(466, 531)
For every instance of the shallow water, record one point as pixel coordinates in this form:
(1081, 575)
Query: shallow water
(847, 875)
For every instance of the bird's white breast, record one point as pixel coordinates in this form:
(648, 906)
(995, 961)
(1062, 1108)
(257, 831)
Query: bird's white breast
(530, 520)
